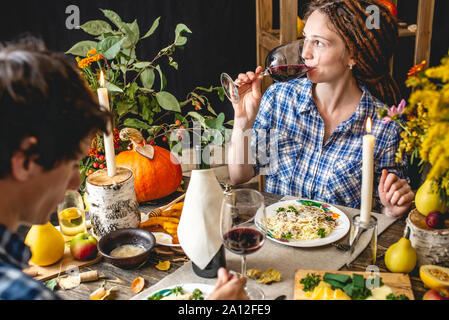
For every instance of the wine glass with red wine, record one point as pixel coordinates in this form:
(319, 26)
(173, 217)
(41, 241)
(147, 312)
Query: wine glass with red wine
(283, 63)
(238, 231)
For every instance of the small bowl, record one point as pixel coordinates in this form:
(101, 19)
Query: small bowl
(122, 237)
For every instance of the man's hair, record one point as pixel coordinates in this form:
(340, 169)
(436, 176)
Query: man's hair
(371, 47)
(43, 95)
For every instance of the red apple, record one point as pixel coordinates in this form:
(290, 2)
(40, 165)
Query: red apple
(436, 294)
(83, 247)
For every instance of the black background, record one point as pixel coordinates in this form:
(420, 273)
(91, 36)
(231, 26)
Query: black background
(223, 38)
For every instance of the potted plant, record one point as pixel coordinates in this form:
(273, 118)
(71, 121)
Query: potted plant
(137, 88)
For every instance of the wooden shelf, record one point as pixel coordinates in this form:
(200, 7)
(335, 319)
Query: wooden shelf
(269, 38)
(404, 32)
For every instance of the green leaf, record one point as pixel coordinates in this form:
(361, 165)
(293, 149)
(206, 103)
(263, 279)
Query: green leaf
(132, 33)
(96, 27)
(180, 40)
(131, 90)
(112, 88)
(211, 110)
(51, 284)
(123, 107)
(81, 48)
(221, 94)
(110, 47)
(136, 124)
(114, 17)
(168, 101)
(147, 78)
(153, 28)
(174, 64)
(134, 28)
(163, 79)
(198, 117)
(147, 114)
(220, 119)
(141, 65)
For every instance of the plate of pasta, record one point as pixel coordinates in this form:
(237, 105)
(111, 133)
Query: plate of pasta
(304, 223)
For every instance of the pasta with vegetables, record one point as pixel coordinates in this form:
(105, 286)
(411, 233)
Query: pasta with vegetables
(299, 222)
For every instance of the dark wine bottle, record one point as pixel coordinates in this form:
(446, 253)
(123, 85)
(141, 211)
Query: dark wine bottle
(219, 260)
(210, 271)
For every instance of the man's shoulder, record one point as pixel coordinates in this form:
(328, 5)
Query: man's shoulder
(15, 285)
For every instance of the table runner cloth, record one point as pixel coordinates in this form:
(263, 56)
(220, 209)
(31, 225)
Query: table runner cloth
(283, 258)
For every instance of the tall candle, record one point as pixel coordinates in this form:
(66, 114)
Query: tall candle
(367, 174)
(108, 138)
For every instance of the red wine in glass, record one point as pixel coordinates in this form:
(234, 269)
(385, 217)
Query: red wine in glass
(243, 240)
(288, 72)
(242, 228)
(283, 63)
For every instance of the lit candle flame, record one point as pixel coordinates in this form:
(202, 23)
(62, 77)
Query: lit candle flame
(101, 79)
(368, 125)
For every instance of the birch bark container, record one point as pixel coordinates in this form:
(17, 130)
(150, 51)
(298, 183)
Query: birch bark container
(112, 201)
(431, 245)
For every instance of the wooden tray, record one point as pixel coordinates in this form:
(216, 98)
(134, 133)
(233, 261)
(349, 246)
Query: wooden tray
(67, 262)
(398, 282)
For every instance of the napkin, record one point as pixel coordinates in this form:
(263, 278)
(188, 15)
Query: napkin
(199, 226)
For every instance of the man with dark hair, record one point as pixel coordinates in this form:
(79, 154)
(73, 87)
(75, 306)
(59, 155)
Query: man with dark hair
(48, 117)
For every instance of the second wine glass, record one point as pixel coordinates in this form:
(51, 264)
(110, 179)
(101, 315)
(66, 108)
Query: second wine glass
(239, 233)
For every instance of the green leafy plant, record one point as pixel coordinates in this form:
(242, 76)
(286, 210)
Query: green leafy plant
(137, 88)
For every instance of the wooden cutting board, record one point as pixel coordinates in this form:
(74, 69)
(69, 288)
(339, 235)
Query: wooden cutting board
(67, 262)
(398, 282)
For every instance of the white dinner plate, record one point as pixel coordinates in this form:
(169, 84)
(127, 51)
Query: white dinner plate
(164, 239)
(206, 289)
(341, 229)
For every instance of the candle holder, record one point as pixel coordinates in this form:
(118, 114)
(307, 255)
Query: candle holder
(362, 235)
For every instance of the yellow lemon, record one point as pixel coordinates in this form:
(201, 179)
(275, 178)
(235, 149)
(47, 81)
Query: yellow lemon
(340, 295)
(46, 243)
(427, 199)
(400, 256)
(299, 27)
(434, 277)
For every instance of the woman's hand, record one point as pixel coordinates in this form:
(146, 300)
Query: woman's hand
(229, 287)
(250, 95)
(395, 194)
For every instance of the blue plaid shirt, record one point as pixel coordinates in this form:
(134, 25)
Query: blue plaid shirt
(14, 284)
(287, 141)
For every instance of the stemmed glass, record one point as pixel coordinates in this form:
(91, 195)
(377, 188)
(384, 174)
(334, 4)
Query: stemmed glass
(238, 231)
(283, 63)
(71, 215)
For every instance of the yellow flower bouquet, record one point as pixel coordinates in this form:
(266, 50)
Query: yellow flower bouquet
(426, 127)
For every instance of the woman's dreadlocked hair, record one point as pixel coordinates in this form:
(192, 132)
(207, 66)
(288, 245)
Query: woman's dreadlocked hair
(371, 46)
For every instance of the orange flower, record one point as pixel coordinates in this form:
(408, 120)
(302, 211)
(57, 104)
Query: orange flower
(416, 69)
(96, 57)
(91, 52)
(84, 63)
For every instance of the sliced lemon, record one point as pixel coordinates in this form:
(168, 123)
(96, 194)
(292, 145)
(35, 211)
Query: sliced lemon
(434, 277)
(341, 295)
(70, 214)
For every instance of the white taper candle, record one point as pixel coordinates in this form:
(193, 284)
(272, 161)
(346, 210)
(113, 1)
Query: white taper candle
(367, 174)
(108, 138)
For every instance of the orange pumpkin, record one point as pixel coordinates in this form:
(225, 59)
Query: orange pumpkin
(153, 178)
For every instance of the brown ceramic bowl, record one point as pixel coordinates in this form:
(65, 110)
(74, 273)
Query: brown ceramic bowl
(122, 237)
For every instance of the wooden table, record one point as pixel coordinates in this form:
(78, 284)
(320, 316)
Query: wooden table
(121, 279)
